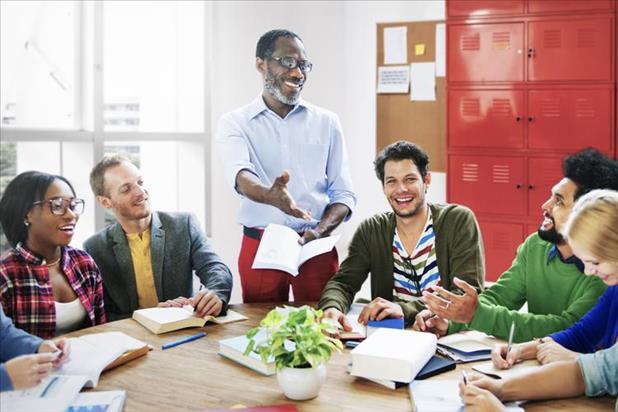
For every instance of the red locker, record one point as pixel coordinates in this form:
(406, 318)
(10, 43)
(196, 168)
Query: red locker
(570, 119)
(543, 6)
(569, 49)
(487, 184)
(483, 8)
(501, 241)
(486, 118)
(543, 174)
(486, 52)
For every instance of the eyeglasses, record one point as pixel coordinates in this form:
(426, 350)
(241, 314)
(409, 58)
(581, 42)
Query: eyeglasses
(411, 274)
(291, 63)
(58, 205)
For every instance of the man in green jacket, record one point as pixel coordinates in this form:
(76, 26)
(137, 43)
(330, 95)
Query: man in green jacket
(545, 273)
(416, 247)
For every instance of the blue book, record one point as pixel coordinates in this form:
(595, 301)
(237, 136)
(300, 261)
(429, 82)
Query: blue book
(389, 323)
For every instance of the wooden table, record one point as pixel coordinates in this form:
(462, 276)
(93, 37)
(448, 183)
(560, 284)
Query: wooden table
(194, 377)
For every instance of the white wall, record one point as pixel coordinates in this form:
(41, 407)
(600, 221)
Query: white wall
(340, 38)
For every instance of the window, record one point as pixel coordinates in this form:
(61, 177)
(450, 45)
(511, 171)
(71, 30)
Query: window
(80, 79)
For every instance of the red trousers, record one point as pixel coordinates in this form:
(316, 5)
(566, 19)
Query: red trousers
(269, 285)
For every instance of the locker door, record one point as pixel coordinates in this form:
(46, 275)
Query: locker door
(486, 52)
(570, 119)
(483, 8)
(501, 241)
(486, 118)
(543, 174)
(487, 183)
(570, 49)
(542, 6)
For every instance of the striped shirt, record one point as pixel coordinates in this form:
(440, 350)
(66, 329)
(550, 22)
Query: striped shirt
(417, 271)
(27, 295)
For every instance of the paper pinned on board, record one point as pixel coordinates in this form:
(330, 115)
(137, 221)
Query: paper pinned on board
(396, 45)
(423, 82)
(419, 49)
(440, 50)
(393, 79)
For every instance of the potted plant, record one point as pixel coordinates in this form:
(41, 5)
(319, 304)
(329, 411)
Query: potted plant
(295, 339)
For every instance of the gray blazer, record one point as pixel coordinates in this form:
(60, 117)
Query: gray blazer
(177, 246)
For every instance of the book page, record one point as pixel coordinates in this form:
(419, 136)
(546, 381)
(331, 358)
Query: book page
(317, 247)
(231, 316)
(470, 341)
(489, 369)
(167, 315)
(89, 359)
(279, 249)
(114, 338)
(54, 393)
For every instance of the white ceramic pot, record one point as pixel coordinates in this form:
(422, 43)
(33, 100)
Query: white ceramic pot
(300, 384)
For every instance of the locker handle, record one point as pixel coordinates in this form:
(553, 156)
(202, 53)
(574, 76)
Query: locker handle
(530, 53)
(530, 186)
(518, 186)
(530, 118)
(518, 119)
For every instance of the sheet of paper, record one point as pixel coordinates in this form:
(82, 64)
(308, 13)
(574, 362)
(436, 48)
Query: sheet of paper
(419, 49)
(488, 369)
(423, 82)
(396, 45)
(394, 79)
(468, 341)
(317, 247)
(89, 359)
(54, 393)
(440, 50)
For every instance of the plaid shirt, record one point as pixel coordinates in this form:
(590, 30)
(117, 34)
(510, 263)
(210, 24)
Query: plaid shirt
(27, 295)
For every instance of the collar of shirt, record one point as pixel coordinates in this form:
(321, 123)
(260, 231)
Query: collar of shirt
(573, 260)
(258, 106)
(28, 255)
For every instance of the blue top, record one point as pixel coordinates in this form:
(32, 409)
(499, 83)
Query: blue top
(598, 329)
(13, 342)
(308, 143)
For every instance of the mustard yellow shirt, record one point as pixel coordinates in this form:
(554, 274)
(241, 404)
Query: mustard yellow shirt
(139, 244)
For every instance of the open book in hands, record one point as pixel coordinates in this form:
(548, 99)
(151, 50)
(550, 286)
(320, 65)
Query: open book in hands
(279, 249)
(162, 320)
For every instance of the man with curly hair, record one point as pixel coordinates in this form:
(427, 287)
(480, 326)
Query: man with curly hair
(545, 273)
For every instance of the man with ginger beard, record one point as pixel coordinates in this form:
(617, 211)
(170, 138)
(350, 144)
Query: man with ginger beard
(147, 258)
(545, 273)
(287, 161)
(418, 246)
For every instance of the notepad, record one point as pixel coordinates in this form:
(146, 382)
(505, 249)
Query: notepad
(465, 346)
(279, 249)
(162, 320)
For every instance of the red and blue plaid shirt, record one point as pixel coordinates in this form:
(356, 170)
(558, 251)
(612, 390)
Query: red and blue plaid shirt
(27, 295)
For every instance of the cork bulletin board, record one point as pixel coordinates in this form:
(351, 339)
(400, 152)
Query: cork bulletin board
(398, 118)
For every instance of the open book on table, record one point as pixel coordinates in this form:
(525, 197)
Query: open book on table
(468, 346)
(490, 370)
(162, 320)
(90, 355)
(279, 249)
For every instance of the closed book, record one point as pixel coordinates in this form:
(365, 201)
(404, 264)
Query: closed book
(163, 320)
(234, 349)
(393, 354)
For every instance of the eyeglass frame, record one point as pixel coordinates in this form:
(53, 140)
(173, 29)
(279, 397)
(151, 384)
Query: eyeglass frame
(413, 276)
(66, 204)
(296, 63)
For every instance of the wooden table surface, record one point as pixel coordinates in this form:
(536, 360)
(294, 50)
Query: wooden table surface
(193, 376)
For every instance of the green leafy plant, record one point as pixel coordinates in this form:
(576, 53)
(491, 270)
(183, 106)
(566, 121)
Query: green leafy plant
(294, 338)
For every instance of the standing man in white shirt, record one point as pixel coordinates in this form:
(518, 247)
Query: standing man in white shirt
(286, 158)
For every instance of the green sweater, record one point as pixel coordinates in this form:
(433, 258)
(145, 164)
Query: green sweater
(459, 252)
(558, 295)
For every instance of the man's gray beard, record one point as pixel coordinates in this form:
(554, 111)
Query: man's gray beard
(277, 95)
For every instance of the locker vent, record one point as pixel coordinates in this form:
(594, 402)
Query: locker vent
(470, 107)
(471, 42)
(500, 241)
(584, 108)
(501, 108)
(500, 174)
(552, 39)
(550, 107)
(586, 38)
(501, 40)
(470, 172)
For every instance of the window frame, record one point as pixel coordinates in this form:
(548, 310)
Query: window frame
(89, 103)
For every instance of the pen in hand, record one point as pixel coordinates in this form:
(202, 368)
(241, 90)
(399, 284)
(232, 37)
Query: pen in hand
(465, 377)
(509, 345)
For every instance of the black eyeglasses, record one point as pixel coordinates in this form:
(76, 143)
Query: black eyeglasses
(59, 205)
(411, 275)
(291, 63)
